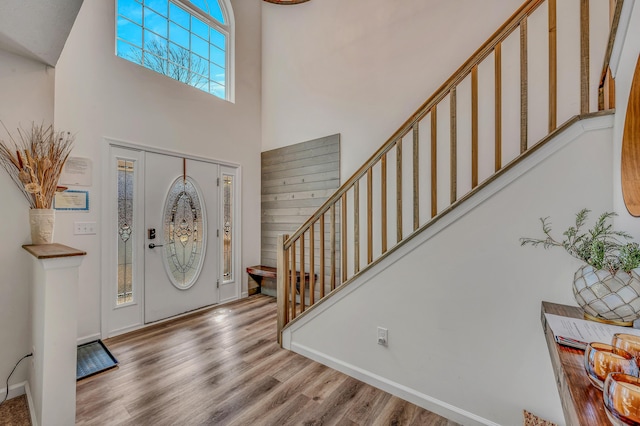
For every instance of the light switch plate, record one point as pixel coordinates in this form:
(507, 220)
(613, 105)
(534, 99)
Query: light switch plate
(84, 228)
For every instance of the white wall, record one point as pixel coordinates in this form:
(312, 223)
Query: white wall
(463, 306)
(99, 95)
(26, 89)
(362, 67)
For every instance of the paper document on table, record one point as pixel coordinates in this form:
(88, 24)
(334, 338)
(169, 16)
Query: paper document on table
(577, 333)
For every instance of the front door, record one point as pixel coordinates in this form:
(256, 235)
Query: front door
(181, 243)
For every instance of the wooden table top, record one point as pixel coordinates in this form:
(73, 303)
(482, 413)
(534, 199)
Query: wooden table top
(581, 401)
(50, 251)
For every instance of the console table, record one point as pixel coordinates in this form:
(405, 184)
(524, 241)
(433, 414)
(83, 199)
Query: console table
(581, 401)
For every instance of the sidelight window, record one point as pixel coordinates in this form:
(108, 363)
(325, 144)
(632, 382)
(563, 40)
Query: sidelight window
(228, 227)
(125, 176)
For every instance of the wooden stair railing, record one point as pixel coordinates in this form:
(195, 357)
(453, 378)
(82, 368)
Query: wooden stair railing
(366, 200)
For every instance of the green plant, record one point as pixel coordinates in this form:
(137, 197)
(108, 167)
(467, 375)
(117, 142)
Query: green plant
(601, 246)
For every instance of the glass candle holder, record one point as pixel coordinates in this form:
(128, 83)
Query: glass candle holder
(621, 395)
(628, 342)
(601, 359)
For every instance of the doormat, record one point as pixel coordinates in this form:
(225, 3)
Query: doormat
(93, 358)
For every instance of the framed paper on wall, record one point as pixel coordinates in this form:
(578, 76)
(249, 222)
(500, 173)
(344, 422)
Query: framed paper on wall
(71, 200)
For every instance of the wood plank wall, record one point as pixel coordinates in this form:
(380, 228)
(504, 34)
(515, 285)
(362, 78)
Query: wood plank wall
(296, 180)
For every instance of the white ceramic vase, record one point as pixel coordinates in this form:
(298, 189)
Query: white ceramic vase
(42, 222)
(609, 297)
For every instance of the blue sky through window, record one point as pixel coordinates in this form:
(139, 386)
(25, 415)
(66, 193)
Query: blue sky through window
(160, 6)
(212, 7)
(164, 36)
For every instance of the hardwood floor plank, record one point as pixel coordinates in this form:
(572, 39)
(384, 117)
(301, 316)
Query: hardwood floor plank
(331, 410)
(294, 364)
(396, 412)
(222, 366)
(260, 353)
(234, 405)
(320, 387)
(367, 406)
(288, 411)
(424, 417)
(277, 402)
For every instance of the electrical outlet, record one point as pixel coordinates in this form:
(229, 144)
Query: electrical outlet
(383, 336)
(84, 228)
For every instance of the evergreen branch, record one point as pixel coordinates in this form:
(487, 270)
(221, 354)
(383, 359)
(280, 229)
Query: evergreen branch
(601, 246)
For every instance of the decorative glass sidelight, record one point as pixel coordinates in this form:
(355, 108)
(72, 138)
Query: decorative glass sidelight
(125, 228)
(184, 233)
(228, 228)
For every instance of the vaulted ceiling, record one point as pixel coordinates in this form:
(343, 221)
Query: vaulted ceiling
(37, 29)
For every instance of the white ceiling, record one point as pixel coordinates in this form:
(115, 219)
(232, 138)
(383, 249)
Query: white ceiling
(37, 29)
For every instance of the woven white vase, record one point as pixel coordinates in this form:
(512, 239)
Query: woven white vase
(42, 222)
(606, 296)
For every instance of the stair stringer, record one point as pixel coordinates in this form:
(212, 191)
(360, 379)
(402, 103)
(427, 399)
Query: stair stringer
(461, 299)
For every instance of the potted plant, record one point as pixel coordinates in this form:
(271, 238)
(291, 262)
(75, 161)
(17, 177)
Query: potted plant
(34, 162)
(608, 286)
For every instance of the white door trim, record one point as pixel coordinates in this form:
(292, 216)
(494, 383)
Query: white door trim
(149, 148)
(107, 244)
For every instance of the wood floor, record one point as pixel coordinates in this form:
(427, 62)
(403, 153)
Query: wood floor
(223, 367)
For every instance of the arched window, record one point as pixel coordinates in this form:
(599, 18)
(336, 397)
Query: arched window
(188, 40)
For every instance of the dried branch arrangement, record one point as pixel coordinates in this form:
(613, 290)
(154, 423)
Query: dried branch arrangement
(35, 160)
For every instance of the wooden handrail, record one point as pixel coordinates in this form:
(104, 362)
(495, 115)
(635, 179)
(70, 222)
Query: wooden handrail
(615, 21)
(485, 50)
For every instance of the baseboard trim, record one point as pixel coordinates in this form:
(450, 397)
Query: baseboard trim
(413, 396)
(132, 328)
(14, 390)
(227, 300)
(123, 330)
(32, 410)
(89, 338)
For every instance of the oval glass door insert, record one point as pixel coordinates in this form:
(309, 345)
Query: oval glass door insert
(185, 233)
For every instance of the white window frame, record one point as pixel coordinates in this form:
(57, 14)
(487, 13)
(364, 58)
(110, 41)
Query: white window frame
(227, 29)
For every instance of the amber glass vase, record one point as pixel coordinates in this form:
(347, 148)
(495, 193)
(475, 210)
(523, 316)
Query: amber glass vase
(628, 342)
(601, 359)
(621, 396)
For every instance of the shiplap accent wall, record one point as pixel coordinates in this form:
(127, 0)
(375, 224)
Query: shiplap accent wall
(296, 180)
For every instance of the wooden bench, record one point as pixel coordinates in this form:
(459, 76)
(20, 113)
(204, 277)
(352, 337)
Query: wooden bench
(258, 272)
(263, 271)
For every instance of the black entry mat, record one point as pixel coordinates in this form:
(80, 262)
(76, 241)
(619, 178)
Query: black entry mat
(93, 357)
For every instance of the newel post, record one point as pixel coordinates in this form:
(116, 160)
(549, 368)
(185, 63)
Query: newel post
(281, 292)
(54, 325)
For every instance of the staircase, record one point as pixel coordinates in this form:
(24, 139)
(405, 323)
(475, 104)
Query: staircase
(428, 227)
(445, 153)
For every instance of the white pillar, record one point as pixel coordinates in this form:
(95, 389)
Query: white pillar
(54, 297)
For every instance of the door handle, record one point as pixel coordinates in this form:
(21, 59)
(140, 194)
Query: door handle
(151, 245)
